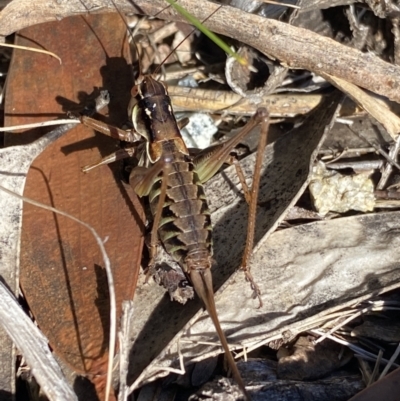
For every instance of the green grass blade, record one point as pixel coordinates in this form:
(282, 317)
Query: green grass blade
(217, 40)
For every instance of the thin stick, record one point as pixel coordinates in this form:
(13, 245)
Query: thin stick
(376, 368)
(31, 49)
(278, 3)
(390, 363)
(344, 322)
(37, 125)
(361, 352)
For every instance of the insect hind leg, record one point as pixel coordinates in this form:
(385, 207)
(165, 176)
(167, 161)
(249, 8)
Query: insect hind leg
(262, 116)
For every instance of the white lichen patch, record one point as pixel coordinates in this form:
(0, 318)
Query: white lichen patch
(199, 132)
(332, 191)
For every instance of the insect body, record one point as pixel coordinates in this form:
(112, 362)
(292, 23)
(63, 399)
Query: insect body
(172, 179)
(177, 199)
(184, 226)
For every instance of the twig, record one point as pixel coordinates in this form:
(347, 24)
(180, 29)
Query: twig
(36, 125)
(295, 47)
(390, 363)
(376, 368)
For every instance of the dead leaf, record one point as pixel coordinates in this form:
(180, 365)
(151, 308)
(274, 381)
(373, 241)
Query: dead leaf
(62, 272)
(375, 106)
(385, 389)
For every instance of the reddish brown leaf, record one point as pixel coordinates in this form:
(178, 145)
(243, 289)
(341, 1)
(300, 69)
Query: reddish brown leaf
(62, 272)
(384, 389)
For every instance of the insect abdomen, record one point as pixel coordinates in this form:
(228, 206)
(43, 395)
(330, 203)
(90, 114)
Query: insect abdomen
(185, 220)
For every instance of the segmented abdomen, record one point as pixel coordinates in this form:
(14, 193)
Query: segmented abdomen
(185, 226)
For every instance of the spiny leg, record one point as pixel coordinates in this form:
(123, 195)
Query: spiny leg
(142, 180)
(263, 117)
(157, 216)
(109, 130)
(114, 132)
(120, 154)
(209, 161)
(239, 171)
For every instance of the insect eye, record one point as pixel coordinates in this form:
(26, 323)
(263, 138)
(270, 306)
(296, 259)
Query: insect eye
(135, 91)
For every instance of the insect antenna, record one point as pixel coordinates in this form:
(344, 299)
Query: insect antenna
(182, 41)
(131, 34)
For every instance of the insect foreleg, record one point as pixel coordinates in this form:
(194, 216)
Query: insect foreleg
(114, 132)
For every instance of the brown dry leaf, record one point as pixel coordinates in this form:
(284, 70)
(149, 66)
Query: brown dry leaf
(385, 389)
(62, 272)
(309, 361)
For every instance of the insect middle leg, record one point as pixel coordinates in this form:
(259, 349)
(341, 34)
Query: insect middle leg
(114, 132)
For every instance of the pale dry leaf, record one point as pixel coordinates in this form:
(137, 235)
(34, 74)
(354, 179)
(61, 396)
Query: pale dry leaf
(373, 105)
